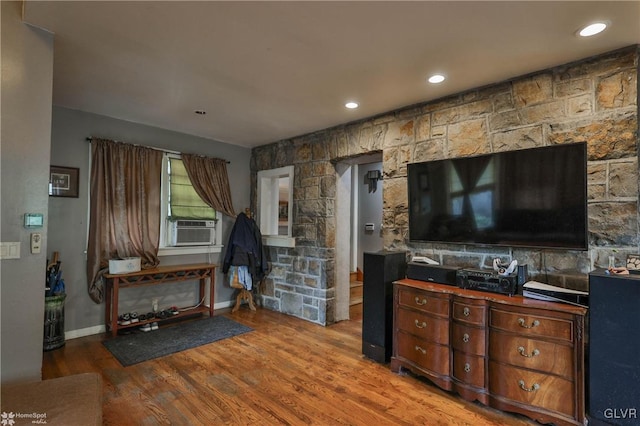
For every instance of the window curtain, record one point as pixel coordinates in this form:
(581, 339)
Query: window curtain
(210, 180)
(125, 208)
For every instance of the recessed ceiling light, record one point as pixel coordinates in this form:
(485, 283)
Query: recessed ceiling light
(436, 78)
(351, 105)
(200, 112)
(593, 29)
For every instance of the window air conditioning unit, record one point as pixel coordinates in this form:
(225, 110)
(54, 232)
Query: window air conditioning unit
(193, 232)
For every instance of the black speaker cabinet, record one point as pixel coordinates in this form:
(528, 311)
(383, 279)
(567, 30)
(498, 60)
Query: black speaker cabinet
(614, 349)
(381, 269)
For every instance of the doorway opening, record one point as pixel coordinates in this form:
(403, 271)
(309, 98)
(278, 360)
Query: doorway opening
(359, 216)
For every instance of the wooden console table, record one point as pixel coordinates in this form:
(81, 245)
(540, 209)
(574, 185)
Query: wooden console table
(511, 353)
(159, 275)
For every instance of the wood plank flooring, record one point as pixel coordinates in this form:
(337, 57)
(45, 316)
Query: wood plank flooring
(285, 372)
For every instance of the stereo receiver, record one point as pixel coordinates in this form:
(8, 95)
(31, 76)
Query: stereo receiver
(474, 279)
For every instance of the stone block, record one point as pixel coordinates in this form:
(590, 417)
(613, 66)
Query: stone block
(423, 127)
(504, 120)
(308, 300)
(617, 91)
(379, 133)
(395, 194)
(342, 144)
(613, 223)
(399, 133)
(315, 267)
(503, 102)
(521, 138)
(302, 153)
(311, 192)
(433, 149)
(291, 304)
(271, 303)
(323, 168)
(300, 265)
(438, 131)
(319, 151)
(580, 105)
(606, 139)
(268, 287)
(533, 90)
(310, 313)
(580, 86)
(623, 179)
(328, 186)
(465, 112)
(468, 138)
(551, 112)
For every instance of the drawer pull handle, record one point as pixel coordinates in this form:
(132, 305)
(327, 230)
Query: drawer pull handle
(465, 338)
(420, 325)
(424, 351)
(467, 367)
(523, 324)
(534, 353)
(533, 388)
(466, 312)
(420, 302)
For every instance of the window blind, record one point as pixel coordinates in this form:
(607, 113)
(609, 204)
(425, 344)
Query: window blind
(184, 202)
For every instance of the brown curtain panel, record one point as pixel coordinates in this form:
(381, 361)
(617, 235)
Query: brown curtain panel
(125, 208)
(210, 180)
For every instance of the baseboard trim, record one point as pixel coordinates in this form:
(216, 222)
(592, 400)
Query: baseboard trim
(89, 331)
(98, 329)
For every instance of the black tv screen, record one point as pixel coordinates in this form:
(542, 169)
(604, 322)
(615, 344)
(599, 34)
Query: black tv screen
(532, 198)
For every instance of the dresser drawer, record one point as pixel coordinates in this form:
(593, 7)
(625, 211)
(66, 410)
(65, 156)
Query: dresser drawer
(424, 326)
(427, 355)
(468, 339)
(437, 304)
(533, 354)
(532, 324)
(464, 311)
(529, 387)
(468, 369)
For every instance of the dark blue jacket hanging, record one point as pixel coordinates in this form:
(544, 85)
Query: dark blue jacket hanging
(245, 248)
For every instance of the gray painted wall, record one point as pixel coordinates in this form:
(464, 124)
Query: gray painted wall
(27, 82)
(68, 216)
(369, 211)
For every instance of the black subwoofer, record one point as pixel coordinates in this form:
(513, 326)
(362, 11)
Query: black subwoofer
(381, 269)
(613, 381)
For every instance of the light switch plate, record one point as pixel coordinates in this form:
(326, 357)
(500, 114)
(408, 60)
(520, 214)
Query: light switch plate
(10, 250)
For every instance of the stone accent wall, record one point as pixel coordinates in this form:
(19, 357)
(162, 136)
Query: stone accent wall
(593, 101)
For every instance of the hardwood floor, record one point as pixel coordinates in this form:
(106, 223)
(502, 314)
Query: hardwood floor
(287, 371)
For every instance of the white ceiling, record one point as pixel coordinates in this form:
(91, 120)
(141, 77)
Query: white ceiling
(266, 71)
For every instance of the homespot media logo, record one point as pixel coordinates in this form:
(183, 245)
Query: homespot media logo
(9, 419)
(620, 413)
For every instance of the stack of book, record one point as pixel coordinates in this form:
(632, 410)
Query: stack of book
(541, 291)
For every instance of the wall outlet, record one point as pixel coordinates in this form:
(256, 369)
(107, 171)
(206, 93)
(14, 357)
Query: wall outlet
(154, 305)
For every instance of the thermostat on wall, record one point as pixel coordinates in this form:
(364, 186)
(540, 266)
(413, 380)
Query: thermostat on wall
(33, 220)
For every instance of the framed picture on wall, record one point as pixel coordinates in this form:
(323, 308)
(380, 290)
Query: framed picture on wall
(283, 211)
(63, 181)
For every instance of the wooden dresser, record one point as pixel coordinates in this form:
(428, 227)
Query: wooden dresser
(511, 353)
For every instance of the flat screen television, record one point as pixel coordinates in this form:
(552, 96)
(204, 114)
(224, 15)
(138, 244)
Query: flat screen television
(531, 198)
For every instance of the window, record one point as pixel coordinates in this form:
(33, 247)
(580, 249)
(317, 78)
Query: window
(275, 206)
(188, 224)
